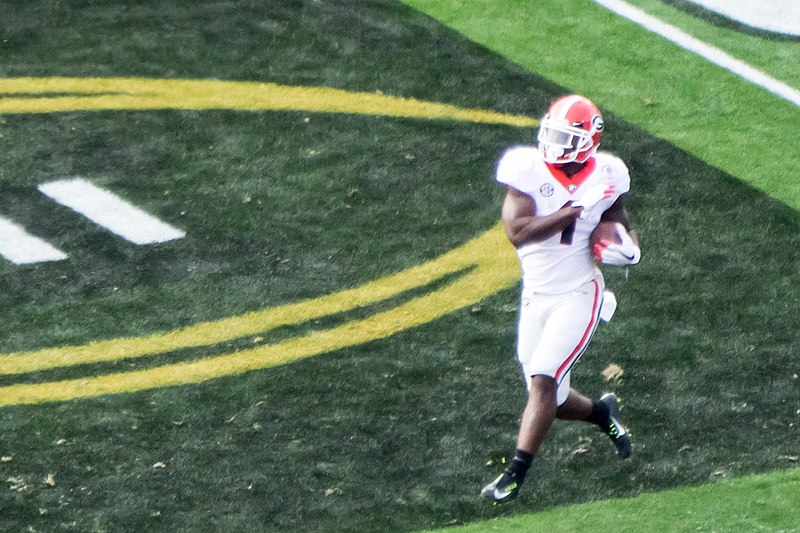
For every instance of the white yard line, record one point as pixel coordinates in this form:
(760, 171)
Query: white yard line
(22, 248)
(710, 53)
(781, 16)
(110, 211)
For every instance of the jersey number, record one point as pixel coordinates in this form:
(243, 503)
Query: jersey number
(568, 234)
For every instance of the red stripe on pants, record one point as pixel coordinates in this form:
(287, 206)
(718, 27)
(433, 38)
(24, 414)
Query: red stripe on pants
(584, 339)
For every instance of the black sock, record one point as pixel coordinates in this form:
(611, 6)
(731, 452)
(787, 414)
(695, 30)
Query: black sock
(520, 464)
(600, 414)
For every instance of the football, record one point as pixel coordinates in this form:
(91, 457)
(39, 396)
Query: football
(608, 231)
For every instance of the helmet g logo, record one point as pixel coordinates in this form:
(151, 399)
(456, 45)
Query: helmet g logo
(597, 123)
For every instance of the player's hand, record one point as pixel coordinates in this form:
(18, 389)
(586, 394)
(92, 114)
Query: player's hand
(593, 196)
(611, 253)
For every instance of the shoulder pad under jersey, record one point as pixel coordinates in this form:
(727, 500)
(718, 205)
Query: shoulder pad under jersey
(515, 166)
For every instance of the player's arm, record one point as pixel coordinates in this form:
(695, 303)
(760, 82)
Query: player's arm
(523, 226)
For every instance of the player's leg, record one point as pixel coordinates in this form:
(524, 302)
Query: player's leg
(539, 415)
(538, 358)
(572, 405)
(539, 410)
(575, 407)
(553, 333)
(603, 412)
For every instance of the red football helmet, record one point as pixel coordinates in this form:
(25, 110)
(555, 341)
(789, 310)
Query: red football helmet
(570, 131)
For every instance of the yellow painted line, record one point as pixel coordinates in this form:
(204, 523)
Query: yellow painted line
(487, 263)
(495, 268)
(256, 322)
(95, 94)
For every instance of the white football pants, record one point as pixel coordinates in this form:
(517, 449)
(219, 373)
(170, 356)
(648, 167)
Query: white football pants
(555, 329)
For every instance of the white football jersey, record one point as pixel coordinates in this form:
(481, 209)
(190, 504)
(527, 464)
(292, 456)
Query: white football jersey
(563, 262)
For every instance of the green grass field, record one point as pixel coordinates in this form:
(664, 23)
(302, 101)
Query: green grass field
(209, 383)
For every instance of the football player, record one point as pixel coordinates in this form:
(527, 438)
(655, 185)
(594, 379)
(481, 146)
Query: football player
(556, 194)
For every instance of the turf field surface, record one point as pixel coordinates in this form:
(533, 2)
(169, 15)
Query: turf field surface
(288, 206)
